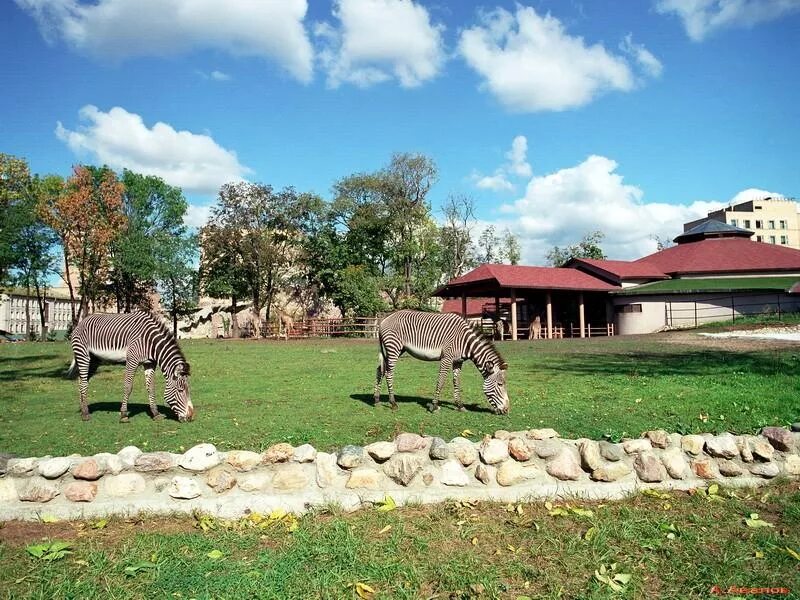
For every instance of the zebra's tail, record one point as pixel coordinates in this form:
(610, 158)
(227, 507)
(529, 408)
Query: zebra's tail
(72, 372)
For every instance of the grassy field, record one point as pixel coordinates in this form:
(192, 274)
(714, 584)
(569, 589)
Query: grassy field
(670, 547)
(251, 394)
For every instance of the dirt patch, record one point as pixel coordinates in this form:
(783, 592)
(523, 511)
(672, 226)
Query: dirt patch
(728, 344)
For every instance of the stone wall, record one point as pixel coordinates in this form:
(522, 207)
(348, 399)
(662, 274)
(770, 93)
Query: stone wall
(510, 466)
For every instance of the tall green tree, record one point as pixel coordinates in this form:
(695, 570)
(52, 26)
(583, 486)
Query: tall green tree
(176, 277)
(15, 191)
(457, 248)
(588, 247)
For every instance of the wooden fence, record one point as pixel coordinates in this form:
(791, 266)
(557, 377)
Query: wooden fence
(364, 327)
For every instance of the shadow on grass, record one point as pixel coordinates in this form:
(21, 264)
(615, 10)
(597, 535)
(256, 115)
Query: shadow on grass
(133, 409)
(423, 402)
(32, 373)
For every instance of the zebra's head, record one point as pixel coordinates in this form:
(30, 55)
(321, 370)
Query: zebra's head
(494, 386)
(176, 393)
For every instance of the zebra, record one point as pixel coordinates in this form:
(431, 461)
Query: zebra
(137, 338)
(445, 337)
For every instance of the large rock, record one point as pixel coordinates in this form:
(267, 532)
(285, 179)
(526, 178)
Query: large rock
(53, 468)
(611, 471)
(8, 491)
(439, 449)
(722, 446)
(765, 470)
(365, 477)
(792, 466)
(502, 434)
(565, 465)
(381, 451)
(675, 463)
(109, 463)
(493, 451)
(705, 468)
(693, 444)
(304, 454)
(542, 434)
(350, 457)
(201, 457)
(38, 489)
(123, 485)
(410, 442)
(327, 470)
(762, 449)
(243, 460)
(128, 456)
(278, 453)
(728, 468)
(611, 452)
(649, 468)
(636, 446)
(253, 482)
(221, 479)
(81, 491)
(486, 474)
(402, 467)
(464, 450)
(4, 458)
(658, 438)
(590, 455)
(547, 448)
(183, 488)
(87, 470)
(290, 477)
(519, 450)
(510, 472)
(453, 474)
(745, 449)
(21, 466)
(780, 438)
(149, 462)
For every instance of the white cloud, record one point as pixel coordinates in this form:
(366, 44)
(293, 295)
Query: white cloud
(120, 29)
(377, 40)
(530, 63)
(214, 75)
(702, 17)
(753, 194)
(559, 208)
(646, 60)
(517, 166)
(120, 139)
(197, 215)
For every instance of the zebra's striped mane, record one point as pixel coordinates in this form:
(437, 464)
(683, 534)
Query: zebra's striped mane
(488, 341)
(163, 329)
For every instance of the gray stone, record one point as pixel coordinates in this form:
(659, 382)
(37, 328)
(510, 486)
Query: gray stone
(109, 463)
(566, 465)
(519, 449)
(502, 434)
(636, 446)
(278, 453)
(243, 460)
(765, 470)
(728, 468)
(124, 484)
(762, 449)
(792, 466)
(649, 468)
(290, 477)
(542, 434)
(4, 458)
(81, 491)
(486, 474)
(350, 457)
(439, 449)
(402, 467)
(161, 483)
(253, 481)
(510, 472)
(221, 478)
(796, 426)
(693, 444)
(304, 454)
(87, 470)
(8, 491)
(590, 455)
(674, 440)
(743, 443)
(365, 477)
(547, 448)
(410, 442)
(705, 468)
(184, 488)
(493, 451)
(149, 462)
(381, 451)
(327, 470)
(201, 457)
(128, 456)
(611, 471)
(657, 437)
(675, 463)
(453, 474)
(780, 438)
(611, 452)
(722, 446)
(464, 450)
(38, 489)
(21, 466)
(53, 468)
(427, 476)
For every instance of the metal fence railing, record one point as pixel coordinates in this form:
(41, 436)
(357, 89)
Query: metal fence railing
(724, 307)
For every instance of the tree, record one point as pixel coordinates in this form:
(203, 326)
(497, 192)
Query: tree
(588, 247)
(87, 217)
(457, 251)
(15, 189)
(177, 280)
(489, 246)
(511, 248)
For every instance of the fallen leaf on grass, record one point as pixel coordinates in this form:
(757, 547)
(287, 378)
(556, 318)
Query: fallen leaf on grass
(49, 552)
(386, 529)
(793, 553)
(655, 494)
(215, 554)
(590, 533)
(134, 570)
(364, 591)
(100, 524)
(755, 521)
(386, 504)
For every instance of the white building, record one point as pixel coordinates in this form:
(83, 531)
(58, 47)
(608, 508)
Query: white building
(58, 313)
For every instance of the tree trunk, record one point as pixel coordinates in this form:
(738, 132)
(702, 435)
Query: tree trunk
(28, 331)
(40, 302)
(234, 320)
(69, 285)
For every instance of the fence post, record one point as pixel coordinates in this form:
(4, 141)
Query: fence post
(779, 306)
(733, 310)
(695, 313)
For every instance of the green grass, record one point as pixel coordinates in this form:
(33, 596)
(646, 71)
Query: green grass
(249, 395)
(443, 551)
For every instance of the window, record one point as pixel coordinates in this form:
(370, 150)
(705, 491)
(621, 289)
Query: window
(772, 239)
(772, 224)
(629, 308)
(759, 238)
(783, 224)
(759, 224)
(783, 240)
(747, 223)
(734, 222)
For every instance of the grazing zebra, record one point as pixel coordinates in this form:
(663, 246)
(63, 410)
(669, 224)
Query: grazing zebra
(445, 337)
(134, 339)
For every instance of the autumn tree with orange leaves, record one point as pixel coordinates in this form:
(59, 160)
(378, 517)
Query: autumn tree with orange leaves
(87, 216)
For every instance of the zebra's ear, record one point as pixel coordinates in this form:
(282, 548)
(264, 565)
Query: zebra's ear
(503, 366)
(183, 369)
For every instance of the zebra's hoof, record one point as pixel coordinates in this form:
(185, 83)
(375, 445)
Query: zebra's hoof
(85, 417)
(433, 407)
(124, 420)
(461, 409)
(158, 417)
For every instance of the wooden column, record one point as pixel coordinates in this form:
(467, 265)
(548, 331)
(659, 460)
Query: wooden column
(581, 314)
(549, 300)
(464, 305)
(497, 316)
(513, 314)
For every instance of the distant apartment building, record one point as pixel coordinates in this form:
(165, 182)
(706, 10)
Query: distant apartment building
(772, 220)
(15, 304)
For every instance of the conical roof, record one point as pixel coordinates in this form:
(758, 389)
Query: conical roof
(711, 228)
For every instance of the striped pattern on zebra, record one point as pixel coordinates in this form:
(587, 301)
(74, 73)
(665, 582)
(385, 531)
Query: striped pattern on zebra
(445, 337)
(137, 338)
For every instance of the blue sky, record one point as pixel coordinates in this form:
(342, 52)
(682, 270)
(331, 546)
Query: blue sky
(557, 117)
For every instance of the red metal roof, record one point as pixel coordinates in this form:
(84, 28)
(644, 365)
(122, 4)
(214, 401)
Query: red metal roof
(518, 276)
(622, 269)
(723, 255)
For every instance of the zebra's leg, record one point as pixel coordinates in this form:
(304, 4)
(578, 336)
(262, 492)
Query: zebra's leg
(457, 385)
(378, 378)
(444, 366)
(130, 371)
(149, 369)
(83, 385)
(389, 373)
